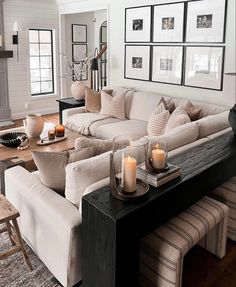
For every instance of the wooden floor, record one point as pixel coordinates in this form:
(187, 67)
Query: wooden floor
(201, 269)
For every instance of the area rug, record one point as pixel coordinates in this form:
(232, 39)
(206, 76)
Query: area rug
(15, 273)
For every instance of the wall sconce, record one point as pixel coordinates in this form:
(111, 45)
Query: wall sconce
(15, 38)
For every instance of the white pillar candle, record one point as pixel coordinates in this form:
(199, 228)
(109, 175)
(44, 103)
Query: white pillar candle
(129, 174)
(158, 158)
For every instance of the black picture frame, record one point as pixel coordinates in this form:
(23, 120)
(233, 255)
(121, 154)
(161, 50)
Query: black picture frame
(83, 53)
(139, 51)
(103, 35)
(204, 71)
(135, 24)
(180, 26)
(173, 63)
(79, 33)
(191, 37)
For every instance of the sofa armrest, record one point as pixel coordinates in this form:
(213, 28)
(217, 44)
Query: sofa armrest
(69, 112)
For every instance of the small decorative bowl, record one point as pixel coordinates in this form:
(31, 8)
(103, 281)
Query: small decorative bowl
(12, 139)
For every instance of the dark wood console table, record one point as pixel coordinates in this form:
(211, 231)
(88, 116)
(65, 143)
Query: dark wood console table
(112, 228)
(68, 103)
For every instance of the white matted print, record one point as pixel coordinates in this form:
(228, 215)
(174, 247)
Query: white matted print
(138, 24)
(79, 33)
(168, 23)
(204, 67)
(137, 62)
(79, 52)
(206, 21)
(167, 63)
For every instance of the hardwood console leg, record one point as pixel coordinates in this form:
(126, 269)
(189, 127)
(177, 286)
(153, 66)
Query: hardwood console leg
(18, 235)
(10, 233)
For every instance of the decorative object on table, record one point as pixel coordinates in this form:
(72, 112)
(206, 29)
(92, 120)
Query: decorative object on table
(156, 160)
(47, 141)
(128, 152)
(232, 119)
(59, 131)
(33, 125)
(206, 21)
(158, 179)
(204, 67)
(137, 62)
(79, 33)
(51, 134)
(167, 64)
(138, 24)
(13, 139)
(168, 23)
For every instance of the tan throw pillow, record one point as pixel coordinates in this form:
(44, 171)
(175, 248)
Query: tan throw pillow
(193, 113)
(113, 106)
(157, 121)
(92, 101)
(51, 166)
(178, 118)
(168, 103)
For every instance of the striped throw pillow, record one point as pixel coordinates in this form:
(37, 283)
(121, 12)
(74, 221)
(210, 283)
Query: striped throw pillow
(113, 106)
(158, 120)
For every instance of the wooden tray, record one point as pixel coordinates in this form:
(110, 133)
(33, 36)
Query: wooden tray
(46, 141)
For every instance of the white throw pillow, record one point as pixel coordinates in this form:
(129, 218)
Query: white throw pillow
(113, 106)
(51, 166)
(178, 118)
(158, 120)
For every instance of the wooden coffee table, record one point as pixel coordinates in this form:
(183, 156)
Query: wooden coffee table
(10, 157)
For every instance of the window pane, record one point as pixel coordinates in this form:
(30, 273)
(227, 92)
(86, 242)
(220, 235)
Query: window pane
(35, 88)
(35, 75)
(46, 75)
(34, 62)
(33, 36)
(46, 87)
(34, 49)
(45, 49)
(45, 36)
(45, 62)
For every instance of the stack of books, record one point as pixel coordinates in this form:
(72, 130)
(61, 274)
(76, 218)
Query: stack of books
(158, 179)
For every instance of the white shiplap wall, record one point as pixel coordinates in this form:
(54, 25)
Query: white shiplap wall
(29, 14)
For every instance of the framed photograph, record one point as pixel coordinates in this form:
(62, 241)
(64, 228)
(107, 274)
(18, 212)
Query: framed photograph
(79, 52)
(204, 67)
(138, 24)
(78, 69)
(79, 33)
(167, 64)
(168, 23)
(206, 21)
(137, 62)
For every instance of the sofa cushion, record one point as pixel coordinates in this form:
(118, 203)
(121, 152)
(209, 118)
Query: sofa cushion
(180, 136)
(212, 124)
(193, 112)
(178, 118)
(92, 101)
(142, 105)
(93, 127)
(113, 106)
(158, 120)
(51, 166)
(99, 146)
(110, 131)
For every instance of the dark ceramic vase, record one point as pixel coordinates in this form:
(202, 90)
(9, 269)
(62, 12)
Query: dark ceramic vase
(232, 119)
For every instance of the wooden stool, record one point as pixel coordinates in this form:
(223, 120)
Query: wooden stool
(162, 251)
(9, 213)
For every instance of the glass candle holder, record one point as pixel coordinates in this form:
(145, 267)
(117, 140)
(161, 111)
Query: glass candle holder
(128, 153)
(51, 134)
(157, 155)
(59, 131)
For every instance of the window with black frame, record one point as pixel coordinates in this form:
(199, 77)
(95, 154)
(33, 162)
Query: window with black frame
(41, 62)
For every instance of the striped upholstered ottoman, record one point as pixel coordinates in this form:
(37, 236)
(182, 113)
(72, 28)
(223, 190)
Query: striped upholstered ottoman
(226, 193)
(162, 251)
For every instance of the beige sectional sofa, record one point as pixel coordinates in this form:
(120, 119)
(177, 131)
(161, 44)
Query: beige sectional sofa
(51, 223)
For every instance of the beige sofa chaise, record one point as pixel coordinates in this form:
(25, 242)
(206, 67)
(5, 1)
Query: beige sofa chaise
(51, 223)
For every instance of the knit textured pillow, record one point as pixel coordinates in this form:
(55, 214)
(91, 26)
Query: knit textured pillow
(178, 118)
(113, 106)
(158, 120)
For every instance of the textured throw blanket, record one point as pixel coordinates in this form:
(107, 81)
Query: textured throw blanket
(81, 122)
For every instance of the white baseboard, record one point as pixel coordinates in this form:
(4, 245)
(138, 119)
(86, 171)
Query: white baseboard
(16, 116)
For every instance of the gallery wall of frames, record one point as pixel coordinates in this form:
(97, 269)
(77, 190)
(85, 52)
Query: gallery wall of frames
(180, 43)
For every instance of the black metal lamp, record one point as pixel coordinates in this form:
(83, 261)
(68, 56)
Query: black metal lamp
(94, 71)
(94, 64)
(15, 38)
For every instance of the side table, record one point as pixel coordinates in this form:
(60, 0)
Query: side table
(9, 213)
(68, 103)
